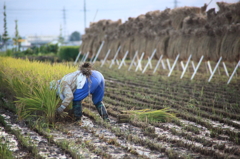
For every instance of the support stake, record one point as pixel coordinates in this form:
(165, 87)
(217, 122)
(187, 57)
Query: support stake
(106, 57)
(173, 66)
(215, 69)
(117, 62)
(182, 64)
(225, 68)
(185, 68)
(195, 70)
(234, 71)
(159, 60)
(133, 60)
(99, 50)
(169, 65)
(139, 65)
(209, 66)
(77, 58)
(92, 58)
(149, 60)
(86, 57)
(83, 57)
(115, 56)
(163, 65)
(123, 60)
(193, 65)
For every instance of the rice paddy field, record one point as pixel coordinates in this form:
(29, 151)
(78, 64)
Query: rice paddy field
(152, 115)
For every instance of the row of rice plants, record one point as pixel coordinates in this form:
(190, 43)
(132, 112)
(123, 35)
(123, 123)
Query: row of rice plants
(176, 106)
(127, 82)
(141, 107)
(172, 151)
(25, 142)
(155, 80)
(191, 145)
(27, 139)
(198, 90)
(119, 94)
(189, 136)
(180, 97)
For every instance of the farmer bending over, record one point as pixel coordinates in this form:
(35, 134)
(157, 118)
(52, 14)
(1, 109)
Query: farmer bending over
(78, 85)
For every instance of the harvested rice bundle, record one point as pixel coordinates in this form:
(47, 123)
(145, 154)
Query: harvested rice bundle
(162, 115)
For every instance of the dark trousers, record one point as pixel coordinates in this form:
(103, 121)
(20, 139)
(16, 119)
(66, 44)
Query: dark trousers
(77, 109)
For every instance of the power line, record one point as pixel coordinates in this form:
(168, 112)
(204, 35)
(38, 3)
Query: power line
(84, 10)
(95, 15)
(26, 9)
(209, 2)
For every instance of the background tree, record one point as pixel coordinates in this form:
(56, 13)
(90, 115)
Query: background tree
(5, 34)
(17, 38)
(60, 37)
(1, 42)
(75, 36)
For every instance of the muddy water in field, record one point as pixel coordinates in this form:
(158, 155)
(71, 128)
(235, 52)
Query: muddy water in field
(130, 129)
(12, 143)
(205, 134)
(167, 135)
(89, 132)
(101, 137)
(106, 141)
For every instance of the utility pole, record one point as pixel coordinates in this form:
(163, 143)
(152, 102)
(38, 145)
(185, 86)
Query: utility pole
(175, 3)
(84, 8)
(17, 36)
(64, 23)
(5, 34)
(60, 38)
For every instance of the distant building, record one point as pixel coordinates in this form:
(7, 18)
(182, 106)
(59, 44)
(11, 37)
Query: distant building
(40, 40)
(74, 43)
(36, 40)
(25, 45)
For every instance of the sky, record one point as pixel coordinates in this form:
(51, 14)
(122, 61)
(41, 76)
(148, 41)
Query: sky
(46, 17)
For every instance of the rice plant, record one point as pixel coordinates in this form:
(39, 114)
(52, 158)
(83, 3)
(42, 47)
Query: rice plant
(41, 101)
(29, 81)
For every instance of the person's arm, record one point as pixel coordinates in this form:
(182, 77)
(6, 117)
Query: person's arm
(68, 94)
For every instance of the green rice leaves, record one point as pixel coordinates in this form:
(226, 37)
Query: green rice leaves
(29, 81)
(40, 102)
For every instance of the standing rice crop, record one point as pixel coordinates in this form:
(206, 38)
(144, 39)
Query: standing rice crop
(29, 81)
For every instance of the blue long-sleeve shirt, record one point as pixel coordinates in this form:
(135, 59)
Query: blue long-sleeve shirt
(95, 86)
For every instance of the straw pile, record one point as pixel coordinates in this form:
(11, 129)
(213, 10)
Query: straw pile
(184, 31)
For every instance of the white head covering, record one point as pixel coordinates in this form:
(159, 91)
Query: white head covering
(81, 80)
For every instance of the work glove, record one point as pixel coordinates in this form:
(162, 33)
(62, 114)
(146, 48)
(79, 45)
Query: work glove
(61, 112)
